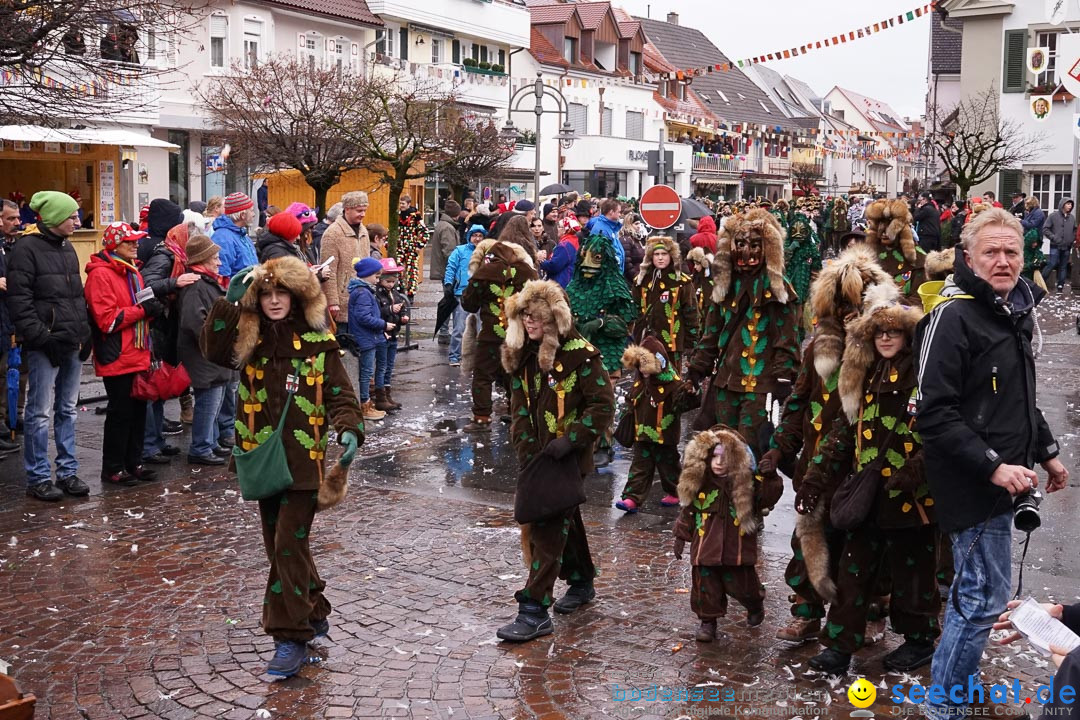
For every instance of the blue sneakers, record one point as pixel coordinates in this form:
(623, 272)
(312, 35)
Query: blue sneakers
(288, 658)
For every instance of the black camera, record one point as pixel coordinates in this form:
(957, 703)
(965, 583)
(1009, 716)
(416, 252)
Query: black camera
(1026, 511)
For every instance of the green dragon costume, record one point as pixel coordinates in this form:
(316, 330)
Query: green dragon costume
(802, 254)
(600, 300)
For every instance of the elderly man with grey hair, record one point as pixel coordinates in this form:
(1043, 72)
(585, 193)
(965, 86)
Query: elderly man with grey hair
(345, 241)
(231, 235)
(982, 436)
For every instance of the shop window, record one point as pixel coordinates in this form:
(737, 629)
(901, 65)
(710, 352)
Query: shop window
(219, 41)
(253, 40)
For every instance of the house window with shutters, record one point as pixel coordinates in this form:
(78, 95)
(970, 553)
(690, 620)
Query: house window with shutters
(1009, 183)
(253, 39)
(606, 119)
(219, 40)
(635, 125)
(312, 49)
(1014, 76)
(438, 50)
(386, 43)
(1047, 77)
(578, 115)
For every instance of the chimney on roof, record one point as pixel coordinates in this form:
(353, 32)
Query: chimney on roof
(673, 18)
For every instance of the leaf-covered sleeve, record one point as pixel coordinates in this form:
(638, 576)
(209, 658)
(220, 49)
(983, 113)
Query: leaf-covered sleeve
(342, 408)
(522, 432)
(598, 409)
(768, 490)
(683, 524)
(707, 349)
(785, 356)
(688, 313)
(219, 334)
(788, 436)
(473, 295)
(835, 457)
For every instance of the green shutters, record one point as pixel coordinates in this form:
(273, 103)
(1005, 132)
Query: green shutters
(456, 52)
(1014, 75)
(1008, 183)
(404, 43)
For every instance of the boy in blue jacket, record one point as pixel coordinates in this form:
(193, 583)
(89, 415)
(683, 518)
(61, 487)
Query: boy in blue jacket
(367, 328)
(455, 280)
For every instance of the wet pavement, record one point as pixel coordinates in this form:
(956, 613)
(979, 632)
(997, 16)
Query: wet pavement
(145, 602)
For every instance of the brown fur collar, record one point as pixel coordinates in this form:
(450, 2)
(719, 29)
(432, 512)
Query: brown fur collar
(650, 247)
(295, 277)
(939, 264)
(544, 299)
(889, 224)
(635, 357)
(699, 256)
(882, 310)
(844, 280)
(755, 222)
(515, 251)
(696, 460)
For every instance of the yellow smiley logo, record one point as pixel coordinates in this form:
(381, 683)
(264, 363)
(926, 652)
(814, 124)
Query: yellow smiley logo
(862, 693)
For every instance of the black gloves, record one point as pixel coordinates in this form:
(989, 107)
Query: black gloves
(52, 350)
(153, 307)
(558, 448)
(448, 292)
(807, 497)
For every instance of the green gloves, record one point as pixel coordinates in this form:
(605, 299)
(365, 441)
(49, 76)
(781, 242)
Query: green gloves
(239, 284)
(350, 443)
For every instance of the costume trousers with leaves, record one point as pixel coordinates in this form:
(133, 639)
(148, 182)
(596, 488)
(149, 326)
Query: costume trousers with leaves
(649, 459)
(713, 584)
(909, 557)
(558, 549)
(744, 412)
(294, 590)
(487, 370)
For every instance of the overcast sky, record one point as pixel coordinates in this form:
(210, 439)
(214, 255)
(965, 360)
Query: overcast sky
(889, 66)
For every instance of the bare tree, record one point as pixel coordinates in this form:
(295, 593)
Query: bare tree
(975, 142)
(278, 115)
(411, 128)
(805, 176)
(67, 59)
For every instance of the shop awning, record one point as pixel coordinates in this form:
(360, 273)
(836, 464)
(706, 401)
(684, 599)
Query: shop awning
(36, 133)
(714, 181)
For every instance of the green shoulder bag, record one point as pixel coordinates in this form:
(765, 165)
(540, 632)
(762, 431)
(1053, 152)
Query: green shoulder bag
(264, 471)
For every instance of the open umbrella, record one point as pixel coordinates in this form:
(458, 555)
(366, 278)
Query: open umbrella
(556, 189)
(443, 311)
(14, 362)
(692, 210)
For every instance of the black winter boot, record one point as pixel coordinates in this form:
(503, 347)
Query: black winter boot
(575, 597)
(831, 661)
(909, 656)
(532, 621)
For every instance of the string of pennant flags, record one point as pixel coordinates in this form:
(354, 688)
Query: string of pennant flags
(839, 39)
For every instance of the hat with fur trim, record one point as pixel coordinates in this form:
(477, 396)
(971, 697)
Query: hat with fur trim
(660, 242)
(543, 299)
(881, 311)
(696, 459)
(291, 275)
(650, 357)
(939, 264)
(759, 222)
(888, 223)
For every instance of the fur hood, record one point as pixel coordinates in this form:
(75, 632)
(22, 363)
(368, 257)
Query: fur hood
(846, 279)
(696, 464)
(939, 264)
(882, 309)
(754, 222)
(699, 256)
(650, 357)
(511, 252)
(889, 224)
(292, 275)
(651, 245)
(544, 299)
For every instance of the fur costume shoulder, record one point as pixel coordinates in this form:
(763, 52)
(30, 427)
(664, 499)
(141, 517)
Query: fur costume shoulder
(696, 460)
(546, 300)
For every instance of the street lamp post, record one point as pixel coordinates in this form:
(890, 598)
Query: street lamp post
(538, 91)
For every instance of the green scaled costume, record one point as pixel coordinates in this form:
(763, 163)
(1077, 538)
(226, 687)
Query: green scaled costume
(802, 255)
(600, 300)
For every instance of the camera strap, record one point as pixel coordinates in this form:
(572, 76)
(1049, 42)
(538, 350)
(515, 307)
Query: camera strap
(954, 595)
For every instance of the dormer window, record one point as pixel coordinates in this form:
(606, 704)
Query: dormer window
(570, 50)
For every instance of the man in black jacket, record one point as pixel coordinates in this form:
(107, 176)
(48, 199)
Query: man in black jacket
(927, 223)
(9, 227)
(982, 432)
(45, 300)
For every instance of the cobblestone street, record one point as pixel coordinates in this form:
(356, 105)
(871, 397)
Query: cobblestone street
(145, 602)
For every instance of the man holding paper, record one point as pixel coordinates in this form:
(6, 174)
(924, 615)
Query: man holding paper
(1065, 660)
(982, 433)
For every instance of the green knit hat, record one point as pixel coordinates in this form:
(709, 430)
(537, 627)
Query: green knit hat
(54, 207)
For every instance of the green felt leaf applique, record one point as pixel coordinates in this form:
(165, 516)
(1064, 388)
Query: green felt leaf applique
(304, 439)
(219, 325)
(306, 406)
(550, 421)
(867, 455)
(264, 434)
(895, 459)
(574, 344)
(888, 421)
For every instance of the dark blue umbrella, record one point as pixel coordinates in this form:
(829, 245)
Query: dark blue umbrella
(14, 362)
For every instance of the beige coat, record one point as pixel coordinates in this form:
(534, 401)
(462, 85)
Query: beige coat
(346, 247)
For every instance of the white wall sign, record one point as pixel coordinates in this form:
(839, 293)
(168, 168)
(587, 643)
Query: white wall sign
(106, 192)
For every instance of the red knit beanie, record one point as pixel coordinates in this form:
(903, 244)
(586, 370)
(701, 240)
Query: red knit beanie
(237, 202)
(284, 225)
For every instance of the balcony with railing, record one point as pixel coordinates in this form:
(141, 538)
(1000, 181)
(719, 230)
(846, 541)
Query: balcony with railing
(709, 164)
(478, 88)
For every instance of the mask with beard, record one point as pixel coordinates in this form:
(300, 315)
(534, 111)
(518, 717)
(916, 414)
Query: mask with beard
(749, 254)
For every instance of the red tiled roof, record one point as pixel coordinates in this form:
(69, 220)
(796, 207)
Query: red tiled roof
(691, 106)
(629, 29)
(551, 14)
(592, 14)
(544, 52)
(356, 10)
(865, 104)
(655, 61)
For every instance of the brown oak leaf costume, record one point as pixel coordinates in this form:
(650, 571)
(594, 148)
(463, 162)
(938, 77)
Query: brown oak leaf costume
(702, 279)
(267, 353)
(721, 518)
(666, 300)
(812, 408)
(748, 345)
(558, 389)
(888, 234)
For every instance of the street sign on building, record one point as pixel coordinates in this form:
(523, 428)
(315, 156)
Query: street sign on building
(660, 206)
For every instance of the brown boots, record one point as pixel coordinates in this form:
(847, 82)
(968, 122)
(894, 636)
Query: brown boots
(381, 402)
(390, 399)
(370, 412)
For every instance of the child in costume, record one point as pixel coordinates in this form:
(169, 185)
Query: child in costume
(657, 399)
(666, 299)
(723, 505)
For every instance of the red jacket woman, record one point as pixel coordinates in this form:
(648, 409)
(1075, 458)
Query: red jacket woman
(121, 335)
(705, 236)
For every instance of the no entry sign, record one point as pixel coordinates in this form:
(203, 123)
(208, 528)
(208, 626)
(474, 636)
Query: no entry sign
(660, 206)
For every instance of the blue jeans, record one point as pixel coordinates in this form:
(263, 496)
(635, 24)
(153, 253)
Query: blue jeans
(52, 390)
(985, 577)
(385, 356)
(1059, 260)
(153, 437)
(226, 419)
(367, 370)
(204, 424)
(460, 315)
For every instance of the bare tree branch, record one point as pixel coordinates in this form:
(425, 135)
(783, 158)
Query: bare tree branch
(805, 175)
